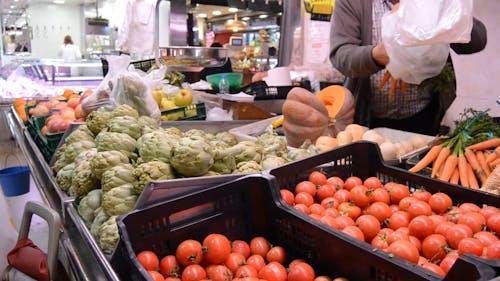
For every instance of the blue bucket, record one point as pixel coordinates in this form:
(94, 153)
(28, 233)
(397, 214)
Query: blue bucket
(15, 180)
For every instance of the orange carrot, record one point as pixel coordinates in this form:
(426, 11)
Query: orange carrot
(429, 157)
(472, 177)
(403, 85)
(386, 78)
(455, 177)
(449, 165)
(487, 144)
(478, 171)
(443, 154)
(462, 169)
(493, 155)
(494, 163)
(482, 162)
(392, 90)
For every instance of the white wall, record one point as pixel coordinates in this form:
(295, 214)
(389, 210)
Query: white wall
(50, 23)
(478, 74)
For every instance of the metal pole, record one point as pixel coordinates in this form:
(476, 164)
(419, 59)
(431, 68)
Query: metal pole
(290, 20)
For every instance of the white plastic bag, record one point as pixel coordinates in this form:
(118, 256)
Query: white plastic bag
(428, 22)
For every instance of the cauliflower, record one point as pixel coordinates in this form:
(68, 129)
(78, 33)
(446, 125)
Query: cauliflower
(104, 160)
(124, 110)
(108, 235)
(118, 175)
(99, 218)
(125, 124)
(74, 149)
(272, 161)
(89, 204)
(84, 180)
(248, 167)
(97, 119)
(153, 170)
(155, 146)
(82, 133)
(272, 143)
(192, 158)
(119, 200)
(226, 137)
(107, 141)
(147, 124)
(64, 176)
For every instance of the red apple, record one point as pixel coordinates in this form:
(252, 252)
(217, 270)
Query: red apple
(79, 112)
(60, 105)
(73, 102)
(68, 113)
(40, 110)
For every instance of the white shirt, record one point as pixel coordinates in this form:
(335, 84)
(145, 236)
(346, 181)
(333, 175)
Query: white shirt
(136, 35)
(70, 52)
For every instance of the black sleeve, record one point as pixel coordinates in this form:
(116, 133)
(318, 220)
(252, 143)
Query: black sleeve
(477, 42)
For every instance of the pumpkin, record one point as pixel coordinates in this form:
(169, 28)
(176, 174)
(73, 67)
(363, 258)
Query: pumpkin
(339, 103)
(305, 117)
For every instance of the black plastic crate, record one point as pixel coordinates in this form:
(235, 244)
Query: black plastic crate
(262, 91)
(195, 111)
(249, 207)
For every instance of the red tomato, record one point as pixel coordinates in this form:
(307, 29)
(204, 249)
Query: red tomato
(344, 221)
(474, 220)
(399, 219)
(448, 261)
(405, 250)
(359, 195)
(342, 195)
(169, 266)
(315, 216)
(326, 190)
(193, 272)
(351, 182)
(301, 208)
(304, 198)
(379, 195)
(234, 261)
(443, 227)
(405, 203)
(260, 246)
(336, 181)
(354, 231)
(419, 208)
(329, 220)
(403, 229)
(396, 236)
(273, 271)
(305, 186)
(295, 262)
(469, 207)
(440, 202)
(416, 242)
(330, 202)
(453, 214)
(332, 212)
(256, 261)
(276, 253)
(372, 183)
(369, 225)
(434, 268)
(316, 208)
(456, 233)
(437, 220)
(323, 278)
(422, 261)
(240, 246)
(155, 275)
(421, 227)
(301, 271)
(380, 210)
(487, 211)
(219, 273)
(493, 223)
(398, 192)
(287, 196)
(394, 208)
(492, 251)
(349, 209)
(486, 237)
(170, 278)
(189, 252)
(149, 260)
(470, 245)
(216, 248)
(318, 178)
(246, 271)
(434, 247)
(422, 195)
(380, 242)
(340, 279)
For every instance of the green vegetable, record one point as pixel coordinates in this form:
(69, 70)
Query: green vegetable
(198, 134)
(125, 124)
(104, 160)
(74, 149)
(155, 146)
(476, 126)
(99, 218)
(173, 131)
(272, 161)
(149, 171)
(248, 167)
(107, 141)
(124, 110)
(89, 204)
(84, 180)
(108, 235)
(225, 165)
(64, 176)
(119, 200)
(192, 158)
(116, 176)
(60, 163)
(147, 124)
(97, 120)
(132, 90)
(272, 143)
(226, 137)
(243, 151)
(307, 149)
(82, 133)
(85, 155)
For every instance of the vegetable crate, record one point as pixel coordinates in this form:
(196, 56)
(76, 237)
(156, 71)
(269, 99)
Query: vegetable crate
(262, 91)
(190, 112)
(363, 159)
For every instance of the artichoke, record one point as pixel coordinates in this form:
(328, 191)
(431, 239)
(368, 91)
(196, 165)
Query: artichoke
(108, 235)
(74, 149)
(85, 155)
(99, 218)
(116, 176)
(198, 134)
(64, 176)
(119, 200)
(104, 160)
(60, 163)
(242, 151)
(226, 137)
(124, 110)
(153, 170)
(97, 119)
(173, 131)
(272, 161)
(147, 124)
(107, 141)
(307, 149)
(272, 143)
(155, 146)
(192, 158)
(60, 151)
(84, 180)
(248, 167)
(225, 165)
(125, 124)
(82, 133)
(89, 204)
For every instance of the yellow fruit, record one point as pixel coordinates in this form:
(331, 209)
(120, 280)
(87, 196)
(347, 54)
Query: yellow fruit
(157, 96)
(167, 104)
(183, 97)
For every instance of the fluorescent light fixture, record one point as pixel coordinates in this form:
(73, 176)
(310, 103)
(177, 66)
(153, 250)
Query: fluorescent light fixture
(58, 1)
(245, 18)
(262, 16)
(202, 15)
(232, 10)
(216, 13)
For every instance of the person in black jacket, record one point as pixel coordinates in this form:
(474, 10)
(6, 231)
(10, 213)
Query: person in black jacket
(225, 68)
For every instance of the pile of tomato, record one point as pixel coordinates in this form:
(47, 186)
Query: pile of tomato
(217, 258)
(423, 228)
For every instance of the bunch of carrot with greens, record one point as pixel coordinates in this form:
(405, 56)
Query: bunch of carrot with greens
(470, 153)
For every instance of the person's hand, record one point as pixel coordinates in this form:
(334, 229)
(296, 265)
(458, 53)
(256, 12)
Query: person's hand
(379, 54)
(258, 76)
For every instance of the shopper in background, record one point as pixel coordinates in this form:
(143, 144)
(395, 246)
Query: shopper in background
(69, 51)
(357, 52)
(225, 68)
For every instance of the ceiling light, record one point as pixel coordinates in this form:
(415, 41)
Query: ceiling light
(216, 13)
(58, 1)
(232, 10)
(202, 15)
(235, 25)
(262, 16)
(245, 18)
